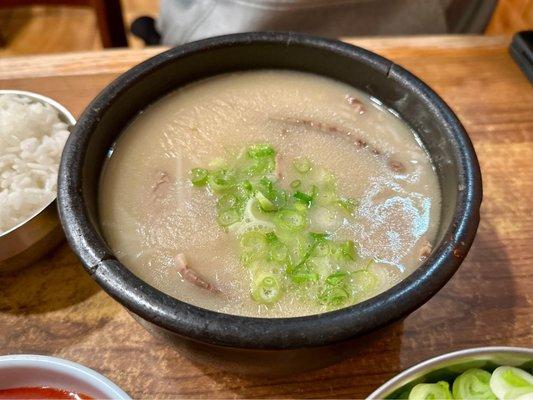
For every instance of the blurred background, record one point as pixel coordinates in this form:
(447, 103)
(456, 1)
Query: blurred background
(52, 26)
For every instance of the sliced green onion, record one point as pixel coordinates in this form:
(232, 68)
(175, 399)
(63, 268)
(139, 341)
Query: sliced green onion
(322, 248)
(510, 382)
(301, 207)
(228, 217)
(243, 191)
(304, 277)
(431, 391)
(320, 245)
(314, 191)
(247, 257)
(315, 236)
(271, 237)
(333, 296)
(226, 202)
(262, 166)
(303, 273)
(296, 184)
(348, 205)
(260, 151)
(266, 184)
(266, 290)
(221, 180)
(199, 176)
(291, 220)
(279, 197)
(347, 250)
(247, 186)
(264, 202)
(337, 279)
(304, 198)
(279, 252)
(473, 384)
(254, 241)
(302, 165)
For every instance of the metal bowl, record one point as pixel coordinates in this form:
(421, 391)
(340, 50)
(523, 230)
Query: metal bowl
(28, 241)
(450, 365)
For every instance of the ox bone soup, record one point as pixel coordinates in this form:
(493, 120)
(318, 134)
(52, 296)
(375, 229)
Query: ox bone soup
(270, 194)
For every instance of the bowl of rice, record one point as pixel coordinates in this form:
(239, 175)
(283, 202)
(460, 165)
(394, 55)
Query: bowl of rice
(33, 131)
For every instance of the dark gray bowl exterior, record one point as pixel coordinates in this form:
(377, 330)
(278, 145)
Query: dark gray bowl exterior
(256, 344)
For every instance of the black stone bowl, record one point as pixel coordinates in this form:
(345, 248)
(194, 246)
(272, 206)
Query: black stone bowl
(261, 345)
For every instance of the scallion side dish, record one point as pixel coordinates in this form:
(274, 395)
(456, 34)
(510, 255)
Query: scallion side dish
(504, 383)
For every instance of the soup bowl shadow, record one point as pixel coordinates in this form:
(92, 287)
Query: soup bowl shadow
(262, 345)
(377, 358)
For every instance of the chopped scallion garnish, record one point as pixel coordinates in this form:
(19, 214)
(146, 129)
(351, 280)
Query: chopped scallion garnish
(266, 290)
(291, 220)
(296, 184)
(264, 202)
(199, 176)
(302, 165)
(348, 205)
(260, 151)
(228, 217)
(226, 202)
(273, 225)
(333, 296)
(303, 197)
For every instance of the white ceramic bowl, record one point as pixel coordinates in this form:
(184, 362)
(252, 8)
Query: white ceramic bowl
(37, 371)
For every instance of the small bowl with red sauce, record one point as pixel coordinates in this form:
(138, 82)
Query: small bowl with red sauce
(43, 377)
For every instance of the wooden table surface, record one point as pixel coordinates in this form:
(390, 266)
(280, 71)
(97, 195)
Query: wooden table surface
(54, 308)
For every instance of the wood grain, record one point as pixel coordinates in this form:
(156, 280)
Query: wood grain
(57, 29)
(54, 308)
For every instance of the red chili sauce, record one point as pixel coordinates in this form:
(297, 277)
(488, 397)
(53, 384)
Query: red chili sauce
(40, 393)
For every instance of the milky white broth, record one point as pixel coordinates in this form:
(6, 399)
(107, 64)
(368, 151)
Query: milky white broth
(150, 212)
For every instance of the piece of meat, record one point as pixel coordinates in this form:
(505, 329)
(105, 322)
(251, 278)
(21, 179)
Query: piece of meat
(356, 104)
(161, 183)
(157, 194)
(192, 276)
(361, 143)
(425, 251)
(346, 134)
(279, 168)
(396, 166)
(336, 130)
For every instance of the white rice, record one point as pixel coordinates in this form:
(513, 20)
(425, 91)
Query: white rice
(32, 137)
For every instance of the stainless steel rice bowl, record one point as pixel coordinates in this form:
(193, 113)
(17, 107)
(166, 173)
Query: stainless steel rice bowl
(35, 236)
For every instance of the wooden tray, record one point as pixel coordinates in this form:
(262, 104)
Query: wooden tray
(54, 308)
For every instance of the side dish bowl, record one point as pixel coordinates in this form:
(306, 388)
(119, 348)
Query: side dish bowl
(260, 345)
(34, 237)
(28, 370)
(450, 365)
